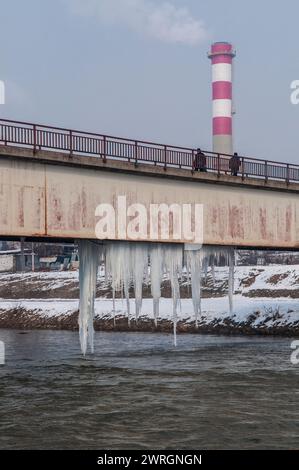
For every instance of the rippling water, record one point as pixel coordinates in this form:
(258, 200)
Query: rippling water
(139, 392)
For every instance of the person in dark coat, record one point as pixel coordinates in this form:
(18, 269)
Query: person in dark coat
(234, 164)
(200, 161)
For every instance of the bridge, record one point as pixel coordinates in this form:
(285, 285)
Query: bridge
(52, 179)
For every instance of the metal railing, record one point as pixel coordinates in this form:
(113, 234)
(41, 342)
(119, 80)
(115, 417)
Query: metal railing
(72, 142)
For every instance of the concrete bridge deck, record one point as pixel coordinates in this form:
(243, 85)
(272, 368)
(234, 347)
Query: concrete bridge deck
(48, 193)
(53, 195)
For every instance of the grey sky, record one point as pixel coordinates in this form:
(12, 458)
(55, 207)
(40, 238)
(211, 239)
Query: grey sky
(139, 68)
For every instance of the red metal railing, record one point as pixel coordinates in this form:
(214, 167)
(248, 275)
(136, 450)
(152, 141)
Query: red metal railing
(70, 141)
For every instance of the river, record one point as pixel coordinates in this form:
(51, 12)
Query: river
(138, 392)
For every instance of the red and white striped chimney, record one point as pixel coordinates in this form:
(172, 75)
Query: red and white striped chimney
(222, 55)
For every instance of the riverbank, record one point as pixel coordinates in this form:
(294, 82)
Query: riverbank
(255, 316)
(266, 302)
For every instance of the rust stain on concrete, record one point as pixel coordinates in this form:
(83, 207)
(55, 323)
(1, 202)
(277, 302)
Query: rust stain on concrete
(263, 223)
(21, 207)
(60, 201)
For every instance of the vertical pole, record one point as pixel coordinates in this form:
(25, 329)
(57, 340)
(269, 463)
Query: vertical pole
(22, 255)
(136, 153)
(104, 149)
(165, 157)
(32, 258)
(71, 143)
(193, 163)
(231, 281)
(34, 138)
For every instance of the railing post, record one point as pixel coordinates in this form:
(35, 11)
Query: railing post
(34, 138)
(136, 153)
(3, 133)
(165, 157)
(192, 163)
(218, 164)
(266, 171)
(288, 174)
(243, 168)
(71, 143)
(104, 150)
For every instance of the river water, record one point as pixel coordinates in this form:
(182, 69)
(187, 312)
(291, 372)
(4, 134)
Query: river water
(138, 392)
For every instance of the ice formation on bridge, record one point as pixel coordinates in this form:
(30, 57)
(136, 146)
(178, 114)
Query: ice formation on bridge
(89, 261)
(132, 265)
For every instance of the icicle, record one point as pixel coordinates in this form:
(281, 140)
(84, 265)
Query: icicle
(89, 261)
(156, 268)
(127, 296)
(231, 279)
(194, 268)
(205, 266)
(119, 269)
(127, 264)
(113, 306)
(140, 265)
(114, 265)
(213, 268)
(127, 276)
(113, 272)
(173, 259)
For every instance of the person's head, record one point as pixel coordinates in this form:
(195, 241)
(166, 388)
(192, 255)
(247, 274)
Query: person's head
(198, 150)
(236, 154)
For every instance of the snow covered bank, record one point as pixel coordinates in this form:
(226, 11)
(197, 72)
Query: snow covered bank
(278, 316)
(266, 302)
(250, 281)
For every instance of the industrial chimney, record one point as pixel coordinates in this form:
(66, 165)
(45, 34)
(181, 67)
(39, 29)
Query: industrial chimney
(222, 55)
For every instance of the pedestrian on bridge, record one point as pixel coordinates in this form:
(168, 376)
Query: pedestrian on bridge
(200, 161)
(234, 164)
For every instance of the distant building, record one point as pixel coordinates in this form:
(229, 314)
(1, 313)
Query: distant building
(264, 258)
(7, 262)
(45, 256)
(10, 260)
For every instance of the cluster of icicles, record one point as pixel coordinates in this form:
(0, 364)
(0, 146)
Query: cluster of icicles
(129, 264)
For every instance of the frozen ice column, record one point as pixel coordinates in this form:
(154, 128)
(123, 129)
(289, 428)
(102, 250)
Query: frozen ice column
(222, 55)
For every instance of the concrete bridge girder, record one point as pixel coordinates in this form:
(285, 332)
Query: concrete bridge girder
(54, 195)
